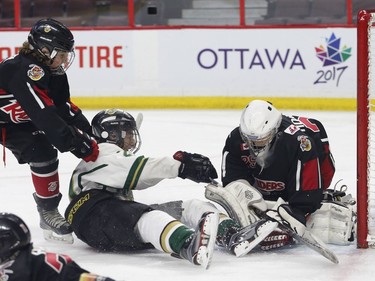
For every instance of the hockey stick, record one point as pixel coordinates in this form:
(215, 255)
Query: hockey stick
(307, 239)
(310, 241)
(139, 120)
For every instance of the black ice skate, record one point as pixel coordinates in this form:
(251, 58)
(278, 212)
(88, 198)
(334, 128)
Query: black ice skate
(198, 249)
(243, 241)
(55, 228)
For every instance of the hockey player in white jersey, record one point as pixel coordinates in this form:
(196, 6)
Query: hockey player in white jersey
(104, 214)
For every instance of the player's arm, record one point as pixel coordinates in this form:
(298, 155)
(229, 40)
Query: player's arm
(306, 194)
(39, 107)
(236, 160)
(67, 110)
(192, 166)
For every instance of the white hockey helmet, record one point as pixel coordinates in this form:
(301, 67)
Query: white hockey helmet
(259, 123)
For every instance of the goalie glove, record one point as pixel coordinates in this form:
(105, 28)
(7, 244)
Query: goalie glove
(284, 215)
(195, 167)
(83, 146)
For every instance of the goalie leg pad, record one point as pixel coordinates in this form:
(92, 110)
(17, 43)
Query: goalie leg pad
(333, 223)
(238, 199)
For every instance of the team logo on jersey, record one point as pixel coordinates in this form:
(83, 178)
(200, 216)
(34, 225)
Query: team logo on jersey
(266, 185)
(35, 73)
(305, 143)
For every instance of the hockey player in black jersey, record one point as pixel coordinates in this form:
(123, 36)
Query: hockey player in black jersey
(288, 160)
(20, 261)
(37, 116)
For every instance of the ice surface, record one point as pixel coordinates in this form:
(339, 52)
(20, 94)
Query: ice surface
(163, 133)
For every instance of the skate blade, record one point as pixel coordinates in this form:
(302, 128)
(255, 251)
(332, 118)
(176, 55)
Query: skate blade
(51, 236)
(245, 247)
(209, 230)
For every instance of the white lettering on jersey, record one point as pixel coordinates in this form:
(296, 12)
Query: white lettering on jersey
(15, 112)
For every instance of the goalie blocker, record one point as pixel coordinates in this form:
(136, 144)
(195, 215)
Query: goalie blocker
(333, 223)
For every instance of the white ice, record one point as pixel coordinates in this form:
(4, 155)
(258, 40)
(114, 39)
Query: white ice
(163, 133)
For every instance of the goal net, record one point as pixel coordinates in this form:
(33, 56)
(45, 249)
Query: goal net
(366, 129)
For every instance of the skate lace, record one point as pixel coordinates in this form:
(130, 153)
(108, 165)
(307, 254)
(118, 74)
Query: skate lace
(53, 218)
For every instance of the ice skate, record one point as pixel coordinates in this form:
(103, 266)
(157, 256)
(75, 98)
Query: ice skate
(198, 249)
(55, 228)
(247, 238)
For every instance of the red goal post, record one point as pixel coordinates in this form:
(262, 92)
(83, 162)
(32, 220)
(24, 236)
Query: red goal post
(366, 129)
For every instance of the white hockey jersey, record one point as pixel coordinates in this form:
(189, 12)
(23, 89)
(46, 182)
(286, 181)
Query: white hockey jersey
(116, 170)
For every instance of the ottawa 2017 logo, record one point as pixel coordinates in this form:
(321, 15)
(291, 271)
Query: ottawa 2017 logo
(333, 56)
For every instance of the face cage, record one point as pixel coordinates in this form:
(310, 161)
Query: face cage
(137, 144)
(118, 137)
(61, 70)
(258, 145)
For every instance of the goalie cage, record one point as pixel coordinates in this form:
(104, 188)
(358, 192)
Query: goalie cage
(366, 129)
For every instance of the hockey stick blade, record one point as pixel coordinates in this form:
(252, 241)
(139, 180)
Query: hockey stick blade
(312, 242)
(139, 120)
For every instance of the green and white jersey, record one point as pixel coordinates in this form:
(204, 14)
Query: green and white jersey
(117, 171)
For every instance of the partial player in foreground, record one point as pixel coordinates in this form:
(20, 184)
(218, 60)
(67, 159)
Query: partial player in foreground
(37, 117)
(285, 162)
(104, 214)
(20, 261)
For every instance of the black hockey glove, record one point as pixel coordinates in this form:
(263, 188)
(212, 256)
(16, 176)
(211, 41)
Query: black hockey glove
(195, 167)
(83, 146)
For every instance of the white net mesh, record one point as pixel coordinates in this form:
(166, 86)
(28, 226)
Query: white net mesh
(371, 150)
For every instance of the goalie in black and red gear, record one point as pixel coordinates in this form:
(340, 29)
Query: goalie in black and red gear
(20, 261)
(37, 116)
(286, 158)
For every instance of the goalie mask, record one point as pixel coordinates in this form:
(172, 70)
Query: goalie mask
(14, 236)
(118, 127)
(49, 34)
(259, 123)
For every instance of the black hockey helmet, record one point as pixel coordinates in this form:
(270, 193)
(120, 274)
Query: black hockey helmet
(53, 35)
(112, 125)
(14, 236)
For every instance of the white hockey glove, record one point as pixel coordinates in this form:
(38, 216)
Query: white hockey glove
(283, 214)
(239, 199)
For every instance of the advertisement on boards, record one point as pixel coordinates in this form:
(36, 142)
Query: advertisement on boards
(209, 62)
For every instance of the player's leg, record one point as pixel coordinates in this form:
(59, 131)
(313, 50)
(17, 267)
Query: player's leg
(172, 236)
(31, 146)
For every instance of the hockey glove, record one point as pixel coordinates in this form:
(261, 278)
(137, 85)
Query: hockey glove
(83, 146)
(195, 167)
(286, 216)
